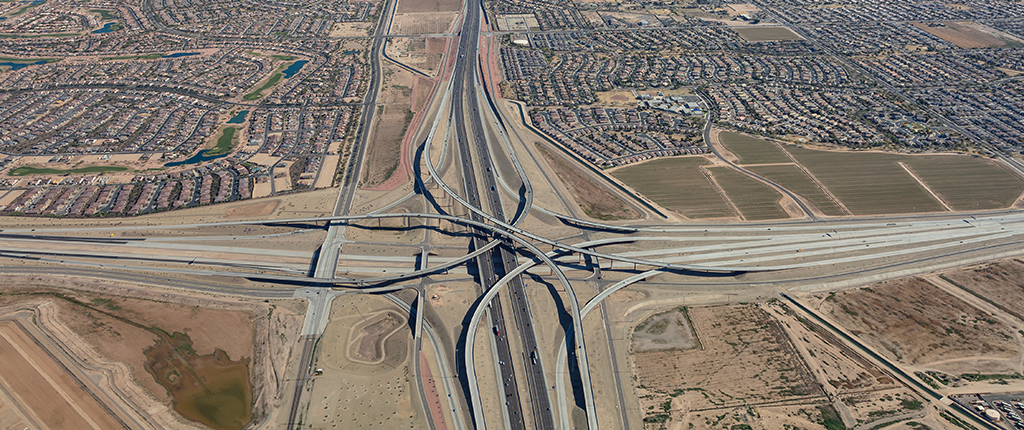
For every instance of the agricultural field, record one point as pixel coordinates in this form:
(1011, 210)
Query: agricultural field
(976, 183)
(915, 322)
(745, 360)
(869, 182)
(677, 184)
(970, 34)
(751, 150)
(754, 200)
(595, 201)
(1000, 283)
(759, 34)
(790, 176)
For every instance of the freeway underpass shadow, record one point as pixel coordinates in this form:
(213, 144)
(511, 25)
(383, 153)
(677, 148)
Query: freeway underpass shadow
(300, 225)
(460, 344)
(420, 187)
(522, 202)
(466, 234)
(565, 322)
(313, 263)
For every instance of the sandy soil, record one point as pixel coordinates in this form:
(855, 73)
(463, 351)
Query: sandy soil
(593, 199)
(665, 331)
(914, 322)
(350, 29)
(40, 386)
(263, 333)
(352, 394)
(10, 416)
(262, 208)
(968, 34)
(998, 281)
(745, 359)
(423, 22)
(406, 6)
(383, 158)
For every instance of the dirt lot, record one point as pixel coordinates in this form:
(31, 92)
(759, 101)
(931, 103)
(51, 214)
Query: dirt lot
(352, 393)
(1000, 282)
(423, 22)
(368, 343)
(665, 331)
(745, 359)
(914, 322)
(969, 34)
(413, 52)
(262, 208)
(407, 6)
(350, 29)
(392, 119)
(51, 396)
(594, 200)
(95, 322)
(759, 34)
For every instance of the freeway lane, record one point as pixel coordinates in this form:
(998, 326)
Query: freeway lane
(492, 265)
(463, 84)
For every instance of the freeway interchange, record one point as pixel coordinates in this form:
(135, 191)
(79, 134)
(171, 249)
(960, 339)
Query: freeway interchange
(752, 261)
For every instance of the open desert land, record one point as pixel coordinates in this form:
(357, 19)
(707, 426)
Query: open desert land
(739, 360)
(351, 29)
(998, 283)
(46, 395)
(214, 361)
(742, 8)
(390, 125)
(914, 322)
(423, 22)
(414, 52)
(593, 200)
(760, 34)
(863, 392)
(969, 34)
(677, 184)
(365, 354)
(413, 6)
